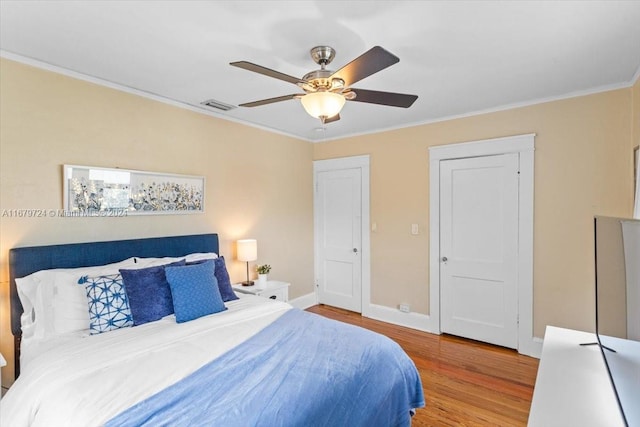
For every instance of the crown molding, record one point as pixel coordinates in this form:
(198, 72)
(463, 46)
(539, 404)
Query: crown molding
(155, 97)
(144, 94)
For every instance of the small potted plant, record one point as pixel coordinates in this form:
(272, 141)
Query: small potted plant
(263, 271)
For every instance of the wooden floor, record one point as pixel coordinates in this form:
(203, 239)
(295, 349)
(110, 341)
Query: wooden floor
(466, 383)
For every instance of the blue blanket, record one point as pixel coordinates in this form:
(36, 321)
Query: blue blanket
(302, 370)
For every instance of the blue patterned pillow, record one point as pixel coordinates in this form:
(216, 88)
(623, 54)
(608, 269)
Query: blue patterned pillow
(222, 275)
(108, 303)
(149, 293)
(194, 289)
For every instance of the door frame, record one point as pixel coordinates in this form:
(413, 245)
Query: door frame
(524, 145)
(354, 162)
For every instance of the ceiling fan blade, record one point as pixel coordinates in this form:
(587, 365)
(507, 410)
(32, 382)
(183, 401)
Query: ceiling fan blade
(374, 60)
(271, 100)
(331, 119)
(384, 98)
(266, 71)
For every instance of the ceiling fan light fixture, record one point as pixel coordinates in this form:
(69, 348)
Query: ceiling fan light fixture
(323, 104)
(327, 91)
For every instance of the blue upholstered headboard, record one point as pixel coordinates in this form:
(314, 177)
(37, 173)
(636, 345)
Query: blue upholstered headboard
(27, 260)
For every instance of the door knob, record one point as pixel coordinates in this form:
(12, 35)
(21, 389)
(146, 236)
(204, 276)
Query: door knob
(445, 259)
(355, 250)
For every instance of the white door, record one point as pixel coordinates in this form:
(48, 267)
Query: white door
(338, 211)
(478, 248)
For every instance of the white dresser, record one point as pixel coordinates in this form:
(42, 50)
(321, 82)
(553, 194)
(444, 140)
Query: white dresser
(572, 387)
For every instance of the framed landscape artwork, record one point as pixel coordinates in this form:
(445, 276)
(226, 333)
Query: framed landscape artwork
(97, 191)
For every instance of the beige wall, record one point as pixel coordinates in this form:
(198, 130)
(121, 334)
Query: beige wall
(636, 113)
(582, 168)
(258, 184)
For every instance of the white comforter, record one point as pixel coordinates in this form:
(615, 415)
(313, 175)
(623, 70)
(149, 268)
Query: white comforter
(86, 381)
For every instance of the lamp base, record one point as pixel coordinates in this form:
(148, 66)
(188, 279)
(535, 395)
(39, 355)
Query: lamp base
(247, 283)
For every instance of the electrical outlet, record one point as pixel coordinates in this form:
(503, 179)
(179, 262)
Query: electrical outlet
(414, 229)
(404, 308)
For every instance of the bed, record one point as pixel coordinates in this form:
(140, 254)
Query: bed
(251, 362)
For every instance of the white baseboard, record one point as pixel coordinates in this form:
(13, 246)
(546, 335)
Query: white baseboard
(417, 321)
(534, 349)
(420, 322)
(305, 301)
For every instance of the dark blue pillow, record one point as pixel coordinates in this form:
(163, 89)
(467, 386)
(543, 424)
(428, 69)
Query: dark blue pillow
(194, 289)
(149, 293)
(222, 275)
(224, 282)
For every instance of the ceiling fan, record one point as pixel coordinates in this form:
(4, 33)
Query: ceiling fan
(327, 91)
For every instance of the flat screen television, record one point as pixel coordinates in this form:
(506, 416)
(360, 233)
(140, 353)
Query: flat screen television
(617, 267)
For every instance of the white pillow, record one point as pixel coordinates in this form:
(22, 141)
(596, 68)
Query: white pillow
(152, 262)
(200, 256)
(30, 294)
(196, 256)
(53, 301)
(70, 309)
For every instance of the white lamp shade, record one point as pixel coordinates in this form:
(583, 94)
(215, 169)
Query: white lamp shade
(247, 250)
(326, 104)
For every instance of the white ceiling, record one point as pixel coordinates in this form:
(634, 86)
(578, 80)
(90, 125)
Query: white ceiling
(459, 57)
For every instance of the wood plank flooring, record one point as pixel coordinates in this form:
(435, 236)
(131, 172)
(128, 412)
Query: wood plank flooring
(466, 383)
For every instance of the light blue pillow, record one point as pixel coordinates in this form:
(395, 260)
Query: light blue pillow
(108, 303)
(194, 290)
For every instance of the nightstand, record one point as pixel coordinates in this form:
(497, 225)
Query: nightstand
(2, 363)
(272, 290)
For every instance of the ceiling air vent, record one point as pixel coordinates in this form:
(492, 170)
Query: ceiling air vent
(218, 105)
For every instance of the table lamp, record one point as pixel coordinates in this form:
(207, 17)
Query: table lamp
(247, 251)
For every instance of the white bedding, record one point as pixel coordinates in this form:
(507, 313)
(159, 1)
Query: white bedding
(115, 370)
